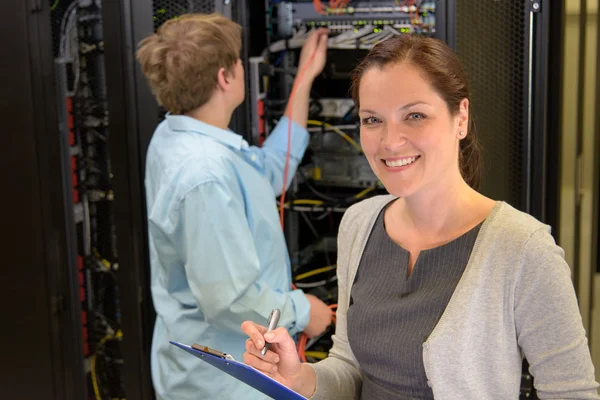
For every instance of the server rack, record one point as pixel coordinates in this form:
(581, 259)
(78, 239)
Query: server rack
(43, 346)
(66, 332)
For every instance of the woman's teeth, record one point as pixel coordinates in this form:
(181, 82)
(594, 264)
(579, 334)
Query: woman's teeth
(400, 163)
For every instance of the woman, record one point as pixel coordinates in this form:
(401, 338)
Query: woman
(442, 290)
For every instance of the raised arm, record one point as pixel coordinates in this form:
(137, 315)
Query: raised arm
(293, 124)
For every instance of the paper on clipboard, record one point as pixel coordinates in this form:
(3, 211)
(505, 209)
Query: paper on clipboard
(243, 372)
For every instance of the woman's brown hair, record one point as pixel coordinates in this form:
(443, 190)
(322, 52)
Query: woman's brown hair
(445, 72)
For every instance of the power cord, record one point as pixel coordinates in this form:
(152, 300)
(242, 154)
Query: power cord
(289, 141)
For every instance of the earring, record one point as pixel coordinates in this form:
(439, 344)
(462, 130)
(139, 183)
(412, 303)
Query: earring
(461, 133)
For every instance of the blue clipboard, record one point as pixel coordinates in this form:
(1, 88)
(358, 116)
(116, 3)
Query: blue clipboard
(244, 373)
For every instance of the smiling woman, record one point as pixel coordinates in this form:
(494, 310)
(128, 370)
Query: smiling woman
(420, 79)
(452, 287)
(408, 134)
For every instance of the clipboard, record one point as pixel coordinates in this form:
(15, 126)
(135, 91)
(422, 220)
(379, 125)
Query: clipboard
(242, 372)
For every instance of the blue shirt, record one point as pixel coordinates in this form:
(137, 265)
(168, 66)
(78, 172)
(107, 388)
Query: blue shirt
(217, 251)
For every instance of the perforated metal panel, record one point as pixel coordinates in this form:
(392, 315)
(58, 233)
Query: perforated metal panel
(167, 9)
(491, 41)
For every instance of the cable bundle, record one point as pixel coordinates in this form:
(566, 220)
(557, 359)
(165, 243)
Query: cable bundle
(364, 38)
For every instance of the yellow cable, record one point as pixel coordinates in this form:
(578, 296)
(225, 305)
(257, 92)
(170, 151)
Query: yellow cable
(338, 131)
(361, 194)
(320, 355)
(118, 335)
(315, 272)
(94, 381)
(307, 202)
(304, 202)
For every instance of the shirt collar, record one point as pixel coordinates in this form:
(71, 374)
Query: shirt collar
(189, 124)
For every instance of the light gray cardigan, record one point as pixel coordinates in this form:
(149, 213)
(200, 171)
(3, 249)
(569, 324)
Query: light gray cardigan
(514, 299)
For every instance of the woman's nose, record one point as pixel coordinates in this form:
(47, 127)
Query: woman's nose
(393, 137)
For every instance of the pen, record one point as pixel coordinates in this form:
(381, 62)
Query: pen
(271, 324)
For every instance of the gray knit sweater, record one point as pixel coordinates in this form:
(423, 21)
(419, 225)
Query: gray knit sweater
(514, 299)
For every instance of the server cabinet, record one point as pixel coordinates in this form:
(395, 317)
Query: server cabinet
(42, 339)
(504, 45)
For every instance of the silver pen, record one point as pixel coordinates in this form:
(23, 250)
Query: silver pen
(271, 324)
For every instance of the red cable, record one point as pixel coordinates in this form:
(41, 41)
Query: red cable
(303, 339)
(287, 157)
(302, 346)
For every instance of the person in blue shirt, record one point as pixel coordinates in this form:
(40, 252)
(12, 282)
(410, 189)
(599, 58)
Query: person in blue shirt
(217, 251)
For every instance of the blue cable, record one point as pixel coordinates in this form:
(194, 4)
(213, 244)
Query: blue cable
(276, 63)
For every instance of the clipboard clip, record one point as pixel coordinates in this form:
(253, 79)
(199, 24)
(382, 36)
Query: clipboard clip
(213, 352)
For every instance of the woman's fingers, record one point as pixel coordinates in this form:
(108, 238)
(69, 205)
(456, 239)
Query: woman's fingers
(282, 338)
(262, 364)
(270, 355)
(255, 333)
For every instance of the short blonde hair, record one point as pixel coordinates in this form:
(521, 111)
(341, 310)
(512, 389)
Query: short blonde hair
(182, 59)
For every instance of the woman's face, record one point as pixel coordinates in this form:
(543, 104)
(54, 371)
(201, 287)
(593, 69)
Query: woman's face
(407, 133)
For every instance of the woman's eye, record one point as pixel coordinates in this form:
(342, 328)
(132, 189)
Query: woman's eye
(416, 116)
(369, 121)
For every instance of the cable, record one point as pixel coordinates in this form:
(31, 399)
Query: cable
(289, 141)
(316, 235)
(94, 380)
(110, 336)
(315, 272)
(319, 355)
(333, 308)
(53, 6)
(316, 284)
(319, 7)
(302, 346)
(302, 341)
(364, 192)
(338, 131)
(310, 225)
(363, 38)
(315, 191)
(304, 202)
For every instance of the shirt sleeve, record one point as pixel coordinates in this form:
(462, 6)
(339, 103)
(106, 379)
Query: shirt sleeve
(273, 153)
(549, 326)
(222, 265)
(339, 376)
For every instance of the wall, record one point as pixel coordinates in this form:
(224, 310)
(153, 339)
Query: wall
(588, 282)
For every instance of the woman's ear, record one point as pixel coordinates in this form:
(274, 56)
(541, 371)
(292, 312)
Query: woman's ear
(462, 119)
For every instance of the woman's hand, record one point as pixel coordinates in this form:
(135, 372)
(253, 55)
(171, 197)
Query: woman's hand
(281, 361)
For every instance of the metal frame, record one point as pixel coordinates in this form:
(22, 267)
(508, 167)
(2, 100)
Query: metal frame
(133, 118)
(446, 26)
(553, 141)
(240, 120)
(538, 128)
(526, 150)
(43, 304)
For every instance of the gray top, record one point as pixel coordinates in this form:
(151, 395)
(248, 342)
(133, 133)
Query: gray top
(514, 299)
(404, 309)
